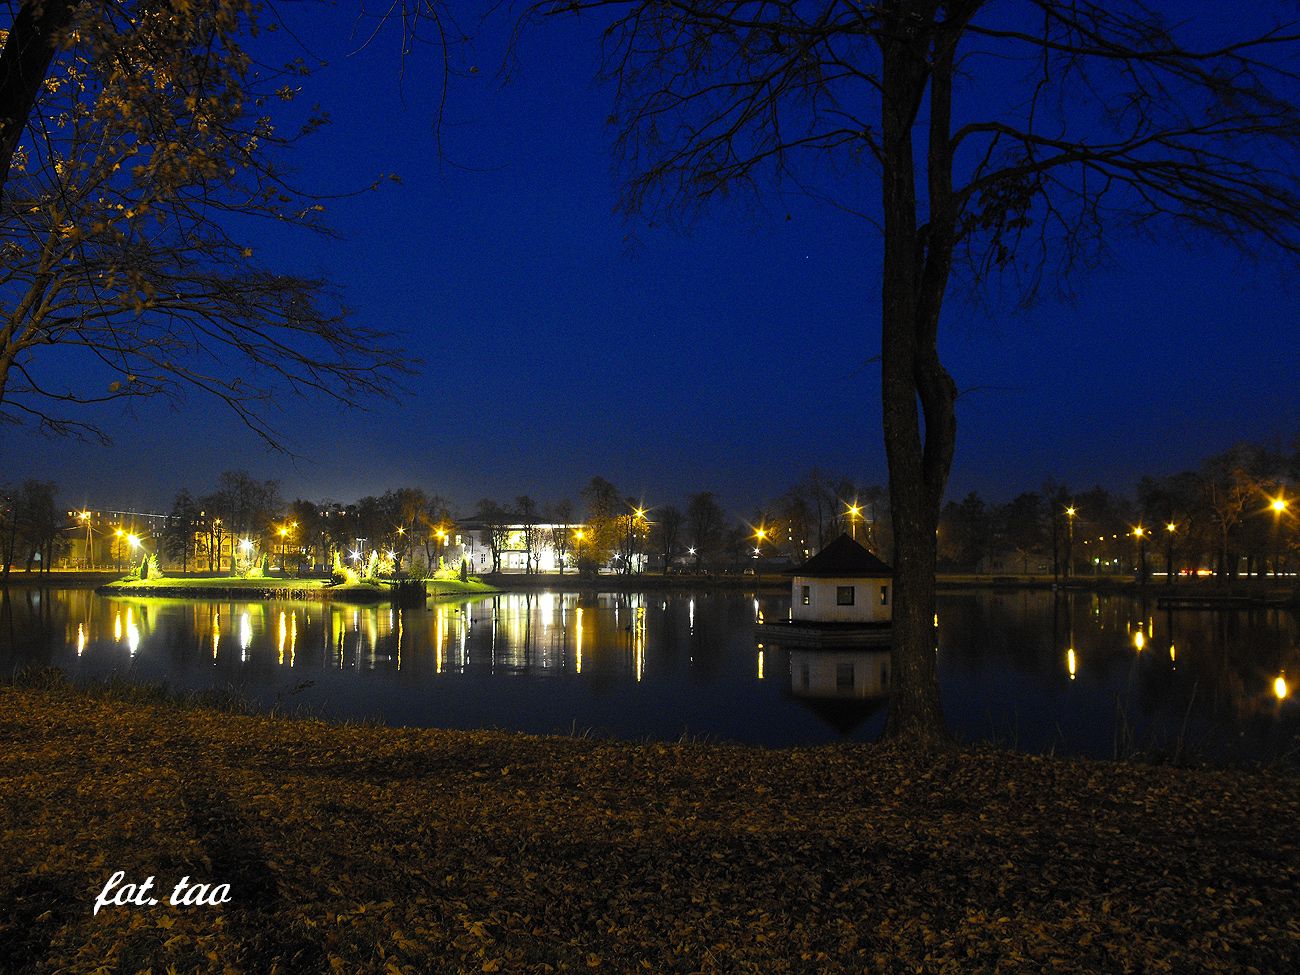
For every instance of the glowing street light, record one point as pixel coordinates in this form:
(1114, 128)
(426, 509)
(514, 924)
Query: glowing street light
(1070, 512)
(854, 512)
(1279, 506)
(1140, 534)
(1171, 528)
(84, 517)
(1280, 690)
(283, 532)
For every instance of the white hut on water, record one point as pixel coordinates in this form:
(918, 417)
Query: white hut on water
(842, 596)
(843, 583)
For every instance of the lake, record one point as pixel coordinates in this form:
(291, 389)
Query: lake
(1073, 673)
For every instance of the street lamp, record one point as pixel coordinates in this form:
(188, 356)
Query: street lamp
(1141, 534)
(1069, 541)
(855, 512)
(90, 552)
(1279, 506)
(1170, 528)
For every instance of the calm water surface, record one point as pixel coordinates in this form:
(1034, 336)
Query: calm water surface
(1074, 673)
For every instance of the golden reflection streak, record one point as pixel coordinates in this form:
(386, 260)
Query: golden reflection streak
(81, 639)
(1173, 654)
(1139, 640)
(579, 656)
(283, 635)
(245, 635)
(1071, 662)
(132, 633)
(293, 637)
(216, 634)
(760, 661)
(437, 639)
(399, 639)
(117, 627)
(639, 643)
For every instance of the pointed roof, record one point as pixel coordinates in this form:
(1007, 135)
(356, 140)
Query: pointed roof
(843, 557)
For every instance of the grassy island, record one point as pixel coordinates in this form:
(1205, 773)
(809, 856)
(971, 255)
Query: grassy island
(368, 849)
(273, 587)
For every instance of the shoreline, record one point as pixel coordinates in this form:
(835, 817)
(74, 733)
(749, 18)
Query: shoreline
(365, 849)
(1245, 594)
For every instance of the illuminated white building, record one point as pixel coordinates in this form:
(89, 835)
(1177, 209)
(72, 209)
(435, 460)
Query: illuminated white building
(843, 583)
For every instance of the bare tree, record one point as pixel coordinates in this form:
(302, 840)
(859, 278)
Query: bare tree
(136, 142)
(560, 534)
(705, 524)
(1105, 114)
(496, 519)
(667, 531)
(527, 512)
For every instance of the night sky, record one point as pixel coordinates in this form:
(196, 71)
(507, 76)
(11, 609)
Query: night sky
(560, 341)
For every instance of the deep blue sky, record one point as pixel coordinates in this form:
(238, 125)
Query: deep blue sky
(560, 342)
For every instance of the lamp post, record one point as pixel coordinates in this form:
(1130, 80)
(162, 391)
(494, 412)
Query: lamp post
(1279, 506)
(629, 548)
(1069, 541)
(1170, 528)
(579, 535)
(1070, 512)
(855, 512)
(1141, 534)
(760, 536)
(133, 541)
(441, 536)
(90, 553)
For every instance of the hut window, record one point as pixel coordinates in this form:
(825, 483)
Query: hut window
(805, 594)
(884, 595)
(844, 677)
(843, 595)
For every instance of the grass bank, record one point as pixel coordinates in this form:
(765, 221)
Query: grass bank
(224, 587)
(365, 849)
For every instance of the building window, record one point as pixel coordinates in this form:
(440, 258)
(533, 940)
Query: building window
(843, 595)
(884, 595)
(844, 677)
(805, 594)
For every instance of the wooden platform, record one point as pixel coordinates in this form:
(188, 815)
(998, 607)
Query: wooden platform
(830, 636)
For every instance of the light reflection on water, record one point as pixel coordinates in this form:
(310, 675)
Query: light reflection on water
(1080, 673)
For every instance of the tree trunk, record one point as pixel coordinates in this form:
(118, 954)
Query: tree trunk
(916, 265)
(24, 63)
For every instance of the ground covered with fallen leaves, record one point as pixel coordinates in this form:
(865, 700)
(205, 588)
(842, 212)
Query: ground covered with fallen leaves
(365, 849)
